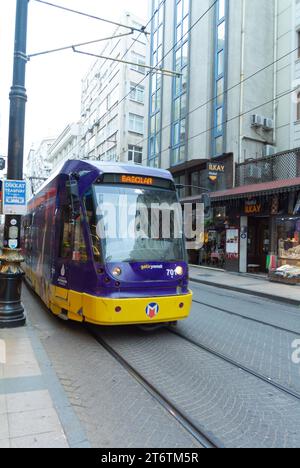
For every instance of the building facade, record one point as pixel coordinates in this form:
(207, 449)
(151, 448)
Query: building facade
(66, 146)
(113, 101)
(38, 166)
(230, 122)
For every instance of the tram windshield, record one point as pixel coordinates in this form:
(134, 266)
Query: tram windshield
(138, 224)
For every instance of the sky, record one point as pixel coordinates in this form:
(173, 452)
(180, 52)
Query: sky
(53, 81)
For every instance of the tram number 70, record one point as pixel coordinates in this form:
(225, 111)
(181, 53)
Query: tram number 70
(172, 273)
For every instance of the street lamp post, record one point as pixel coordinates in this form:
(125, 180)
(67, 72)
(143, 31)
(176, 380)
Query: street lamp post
(11, 309)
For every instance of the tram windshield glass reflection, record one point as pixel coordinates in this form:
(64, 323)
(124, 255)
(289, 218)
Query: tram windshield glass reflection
(138, 224)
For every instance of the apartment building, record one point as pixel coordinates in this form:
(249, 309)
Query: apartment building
(229, 123)
(113, 99)
(66, 146)
(38, 167)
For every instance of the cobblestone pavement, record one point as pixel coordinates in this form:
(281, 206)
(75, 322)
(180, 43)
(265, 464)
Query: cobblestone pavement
(236, 407)
(113, 408)
(262, 348)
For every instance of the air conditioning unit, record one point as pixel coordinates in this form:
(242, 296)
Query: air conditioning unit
(257, 120)
(253, 172)
(269, 150)
(267, 171)
(268, 124)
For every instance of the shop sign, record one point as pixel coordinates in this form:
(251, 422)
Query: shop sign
(214, 169)
(253, 207)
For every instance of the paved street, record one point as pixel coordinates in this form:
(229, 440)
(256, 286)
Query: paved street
(240, 409)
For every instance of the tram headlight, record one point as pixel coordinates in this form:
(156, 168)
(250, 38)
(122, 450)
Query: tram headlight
(179, 271)
(117, 271)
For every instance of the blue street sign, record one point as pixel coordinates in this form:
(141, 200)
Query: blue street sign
(14, 197)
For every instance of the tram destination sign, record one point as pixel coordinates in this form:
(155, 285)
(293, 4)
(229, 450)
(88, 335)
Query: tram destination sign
(14, 197)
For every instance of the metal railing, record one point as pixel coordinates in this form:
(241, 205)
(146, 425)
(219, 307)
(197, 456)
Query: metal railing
(280, 166)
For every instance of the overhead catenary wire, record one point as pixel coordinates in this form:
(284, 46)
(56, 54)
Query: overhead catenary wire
(164, 56)
(87, 15)
(222, 94)
(77, 146)
(233, 118)
(136, 39)
(152, 69)
(60, 49)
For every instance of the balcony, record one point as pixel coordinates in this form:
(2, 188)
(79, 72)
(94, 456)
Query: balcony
(279, 166)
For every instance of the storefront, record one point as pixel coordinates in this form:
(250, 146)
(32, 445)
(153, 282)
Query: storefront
(253, 228)
(288, 235)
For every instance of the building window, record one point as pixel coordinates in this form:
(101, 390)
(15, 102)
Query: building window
(136, 123)
(112, 126)
(180, 84)
(111, 154)
(219, 103)
(137, 93)
(113, 97)
(298, 106)
(139, 60)
(135, 154)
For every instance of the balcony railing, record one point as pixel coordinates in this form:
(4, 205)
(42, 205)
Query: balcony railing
(279, 166)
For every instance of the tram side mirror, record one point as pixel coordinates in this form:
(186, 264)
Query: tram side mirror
(73, 193)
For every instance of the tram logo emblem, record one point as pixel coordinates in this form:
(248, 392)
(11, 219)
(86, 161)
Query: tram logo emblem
(152, 310)
(63, 271)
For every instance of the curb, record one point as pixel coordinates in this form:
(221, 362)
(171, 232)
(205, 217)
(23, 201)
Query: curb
(284, 300)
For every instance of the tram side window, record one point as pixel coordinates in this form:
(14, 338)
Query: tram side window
(72, 244)
(90, 211)
(66, 233)
(79, 248)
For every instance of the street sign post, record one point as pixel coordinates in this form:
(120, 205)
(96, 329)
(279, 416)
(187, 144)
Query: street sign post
(14, 197)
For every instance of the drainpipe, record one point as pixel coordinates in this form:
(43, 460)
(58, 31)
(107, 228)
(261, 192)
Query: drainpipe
(275, 73)
(242, 77)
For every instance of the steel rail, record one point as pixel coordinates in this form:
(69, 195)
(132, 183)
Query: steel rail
(246, 317)
(203, 437)
(240, 366)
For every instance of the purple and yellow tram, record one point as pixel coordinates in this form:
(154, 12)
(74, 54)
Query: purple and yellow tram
(84, 271)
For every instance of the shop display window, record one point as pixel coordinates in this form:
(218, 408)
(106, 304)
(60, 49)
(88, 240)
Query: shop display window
(288, 235)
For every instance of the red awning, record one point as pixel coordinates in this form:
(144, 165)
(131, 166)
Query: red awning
(266, 188)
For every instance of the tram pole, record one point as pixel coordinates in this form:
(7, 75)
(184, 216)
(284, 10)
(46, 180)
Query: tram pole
(11, 309)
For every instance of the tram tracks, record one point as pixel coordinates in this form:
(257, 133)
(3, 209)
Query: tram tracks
(206, 437)
(202, 436)
(246, 317)
(237, 364)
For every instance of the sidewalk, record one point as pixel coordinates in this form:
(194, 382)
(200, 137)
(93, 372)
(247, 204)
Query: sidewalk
(34, 410)
(246, 283)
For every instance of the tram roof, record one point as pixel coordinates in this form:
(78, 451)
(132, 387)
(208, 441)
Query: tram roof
(74, 165)
(134, 169)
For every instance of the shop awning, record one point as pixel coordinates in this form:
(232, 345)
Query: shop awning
(245, 191)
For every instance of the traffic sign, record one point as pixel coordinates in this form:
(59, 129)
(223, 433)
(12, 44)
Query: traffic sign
(14, 197)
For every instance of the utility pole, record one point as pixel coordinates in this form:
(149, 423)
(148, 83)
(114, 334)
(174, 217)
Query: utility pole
(11, 309)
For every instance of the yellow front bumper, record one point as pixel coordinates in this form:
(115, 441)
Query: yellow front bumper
(103, 311)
